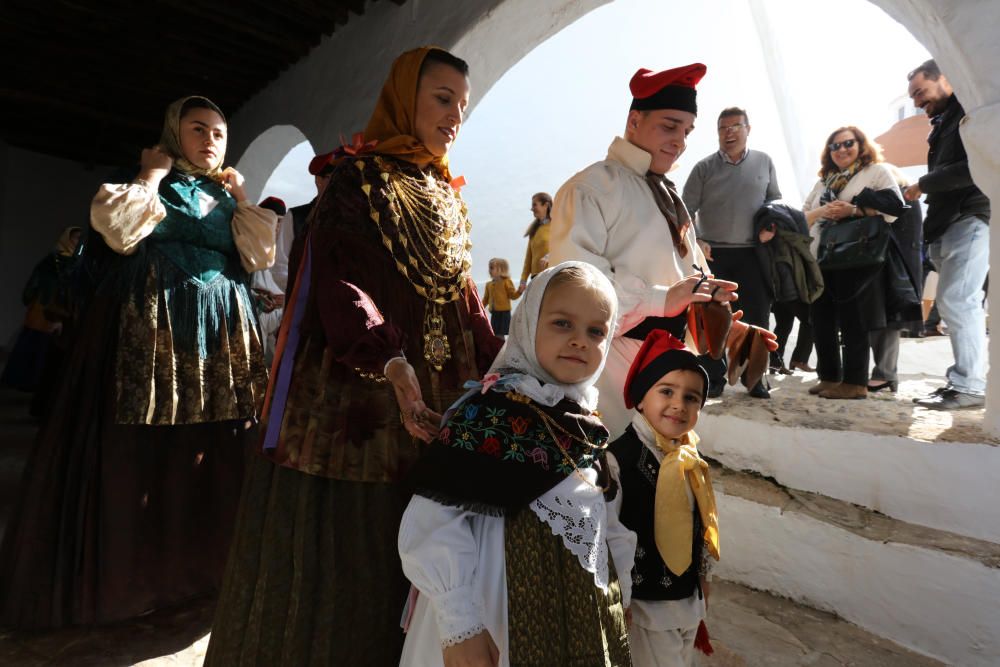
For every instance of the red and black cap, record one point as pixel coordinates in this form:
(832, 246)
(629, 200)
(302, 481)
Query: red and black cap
(323, 164)
(660, 353)
(274, 204)
(670, 89)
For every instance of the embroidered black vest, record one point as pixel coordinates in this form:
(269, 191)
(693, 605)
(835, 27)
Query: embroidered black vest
(651, 580)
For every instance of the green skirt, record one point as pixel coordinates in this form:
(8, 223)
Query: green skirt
(556, 614)
(314, 575)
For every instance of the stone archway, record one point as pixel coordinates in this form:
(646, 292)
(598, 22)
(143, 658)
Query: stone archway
(264, 154)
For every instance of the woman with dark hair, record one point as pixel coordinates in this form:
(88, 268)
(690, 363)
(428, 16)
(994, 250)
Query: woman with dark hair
(853, 302)
(383, 326)
(536, 258)
(131, 490)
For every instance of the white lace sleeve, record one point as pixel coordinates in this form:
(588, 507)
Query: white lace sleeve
(439, 554)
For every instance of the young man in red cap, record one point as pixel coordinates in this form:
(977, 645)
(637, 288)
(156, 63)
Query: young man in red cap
(624, 216)
(665, 496)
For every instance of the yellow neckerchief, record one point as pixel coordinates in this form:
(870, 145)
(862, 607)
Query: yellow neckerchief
(170, 138)
(673, 521)
(393, 122)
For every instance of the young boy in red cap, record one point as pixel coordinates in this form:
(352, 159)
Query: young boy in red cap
(666, 498)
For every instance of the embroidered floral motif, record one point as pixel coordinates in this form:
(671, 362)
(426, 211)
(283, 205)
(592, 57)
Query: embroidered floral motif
(490, 446)
(518, 424)
(484, 427)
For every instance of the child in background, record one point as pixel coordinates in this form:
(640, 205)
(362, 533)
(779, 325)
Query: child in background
(508, 540)
(499, 293)
(666, 497)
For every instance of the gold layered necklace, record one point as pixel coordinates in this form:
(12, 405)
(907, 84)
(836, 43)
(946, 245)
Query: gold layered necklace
(427, 235)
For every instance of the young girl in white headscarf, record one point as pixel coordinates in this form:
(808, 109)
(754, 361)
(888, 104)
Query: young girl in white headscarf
(513, 556)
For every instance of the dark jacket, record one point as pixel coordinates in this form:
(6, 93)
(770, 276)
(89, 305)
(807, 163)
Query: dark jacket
(789, 268)
(951, 194)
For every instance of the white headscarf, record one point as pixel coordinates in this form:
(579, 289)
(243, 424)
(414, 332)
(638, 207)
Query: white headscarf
(519, 366)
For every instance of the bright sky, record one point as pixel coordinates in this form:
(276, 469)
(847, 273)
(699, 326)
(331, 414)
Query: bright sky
(836, 62)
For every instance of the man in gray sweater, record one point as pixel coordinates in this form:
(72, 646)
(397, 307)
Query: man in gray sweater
(722, 194)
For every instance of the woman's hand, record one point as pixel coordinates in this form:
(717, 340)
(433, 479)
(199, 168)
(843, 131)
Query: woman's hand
(838, 210)
(232, 181)
(154, 165)
(477, 651)
(419, 421)
(520, 288)
(766, 234)
(696, 288)
(913, 192)
(706, 249)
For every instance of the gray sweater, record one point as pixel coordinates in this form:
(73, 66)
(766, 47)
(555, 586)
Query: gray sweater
(725, 197)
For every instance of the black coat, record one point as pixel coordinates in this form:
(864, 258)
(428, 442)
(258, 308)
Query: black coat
(951, 194)
(789, 269)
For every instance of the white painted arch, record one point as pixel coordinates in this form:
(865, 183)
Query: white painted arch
(330, 93)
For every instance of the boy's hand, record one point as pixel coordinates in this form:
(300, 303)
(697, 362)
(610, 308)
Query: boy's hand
(477, 651)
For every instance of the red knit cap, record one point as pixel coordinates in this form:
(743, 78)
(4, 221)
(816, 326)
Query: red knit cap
(670, 89)
(660, 353)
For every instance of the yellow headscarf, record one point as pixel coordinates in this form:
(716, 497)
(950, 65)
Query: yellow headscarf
(393, 123)
(65, 246)
(170, 139)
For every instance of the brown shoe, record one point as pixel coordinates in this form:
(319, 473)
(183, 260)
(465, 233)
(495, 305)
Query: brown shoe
(801, 366)
(822, 385)
(845, 391)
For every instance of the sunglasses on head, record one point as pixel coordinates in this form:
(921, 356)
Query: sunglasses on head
(835, 146)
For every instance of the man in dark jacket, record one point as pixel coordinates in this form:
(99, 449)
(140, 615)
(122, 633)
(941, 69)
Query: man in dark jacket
(957, 231)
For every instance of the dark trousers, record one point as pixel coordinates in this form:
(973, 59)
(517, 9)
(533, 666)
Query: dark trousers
(830, 318)
(740, 265)
(785, 314)
(500, 321)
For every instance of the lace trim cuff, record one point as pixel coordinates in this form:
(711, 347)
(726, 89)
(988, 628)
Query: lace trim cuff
(459, 615)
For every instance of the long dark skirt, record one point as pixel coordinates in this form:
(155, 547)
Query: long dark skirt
(314, 576)
(115, 520)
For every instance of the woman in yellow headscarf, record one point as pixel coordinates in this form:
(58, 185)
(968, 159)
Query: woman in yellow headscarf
(383, 326)
(132, 486)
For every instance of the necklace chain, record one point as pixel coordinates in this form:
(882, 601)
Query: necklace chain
(429, 237)
(549, 424)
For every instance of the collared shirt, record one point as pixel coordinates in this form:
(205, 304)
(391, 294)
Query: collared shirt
(743, 156)
(606, 215)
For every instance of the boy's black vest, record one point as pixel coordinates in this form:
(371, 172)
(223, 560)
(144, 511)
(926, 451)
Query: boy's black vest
(651, 580)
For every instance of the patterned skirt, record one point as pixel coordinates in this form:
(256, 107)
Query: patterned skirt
(556, 614)
(115, 520)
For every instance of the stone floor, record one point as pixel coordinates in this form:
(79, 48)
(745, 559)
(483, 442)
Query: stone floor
(922, 363)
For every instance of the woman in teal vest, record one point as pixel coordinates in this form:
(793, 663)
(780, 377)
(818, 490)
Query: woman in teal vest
(131, 489)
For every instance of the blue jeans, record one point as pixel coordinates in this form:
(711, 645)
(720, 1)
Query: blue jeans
(961, 258)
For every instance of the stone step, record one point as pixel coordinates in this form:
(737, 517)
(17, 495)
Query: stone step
(937, 469)
(752, 628)
(929, 590)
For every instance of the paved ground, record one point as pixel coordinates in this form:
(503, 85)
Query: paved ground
(922, 364)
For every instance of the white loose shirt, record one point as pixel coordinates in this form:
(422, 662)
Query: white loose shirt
(606, 215)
